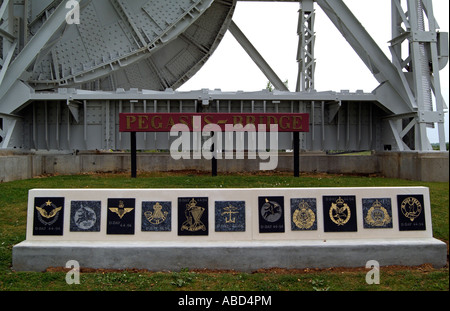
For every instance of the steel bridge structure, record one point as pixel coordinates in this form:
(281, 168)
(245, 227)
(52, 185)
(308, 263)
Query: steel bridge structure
(63, 81)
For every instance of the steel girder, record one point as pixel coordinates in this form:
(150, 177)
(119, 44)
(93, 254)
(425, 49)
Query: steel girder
(305, 54)
(406, 85)
(140, 44)
(82, 120)
(419, 72)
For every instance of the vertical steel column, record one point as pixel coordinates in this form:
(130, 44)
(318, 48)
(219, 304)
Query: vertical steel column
(305, 55)
(419, 72)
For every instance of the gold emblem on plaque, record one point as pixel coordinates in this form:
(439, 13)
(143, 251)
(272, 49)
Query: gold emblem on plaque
(157, 216)
(121, 210)
(44, 215)
(303, 216)
(229, 211)
(193, 215)
(50, 214)
(411, 208)
(377, 215)
(340, 212)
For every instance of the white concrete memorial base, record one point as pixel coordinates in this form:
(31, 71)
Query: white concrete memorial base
(235, 229)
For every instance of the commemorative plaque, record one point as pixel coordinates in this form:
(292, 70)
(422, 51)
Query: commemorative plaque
(411, 215)
(377, 213)
(339, 214)
(48, 216)
(121, 214)
(230, 216)
(271, 214)
(156, 216)
(192, 216)
(304, 214)
(85, 216)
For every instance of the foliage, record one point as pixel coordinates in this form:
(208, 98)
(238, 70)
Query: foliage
(271, 88)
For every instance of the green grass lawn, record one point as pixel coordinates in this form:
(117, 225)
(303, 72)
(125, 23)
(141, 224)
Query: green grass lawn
(13, 206)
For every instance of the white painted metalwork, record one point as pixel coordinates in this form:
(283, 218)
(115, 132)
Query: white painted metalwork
(62, 85)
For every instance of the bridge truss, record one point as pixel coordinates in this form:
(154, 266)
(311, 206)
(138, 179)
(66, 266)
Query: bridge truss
(63, 84)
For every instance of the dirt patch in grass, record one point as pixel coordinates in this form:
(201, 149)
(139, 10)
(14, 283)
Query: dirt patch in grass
(422, 268)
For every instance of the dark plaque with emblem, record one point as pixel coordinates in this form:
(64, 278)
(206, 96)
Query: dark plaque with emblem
(230, 216)
(157, 216)
(411, 212)
(85, 216)
(121, 214)
(303, 213)
(339, 214)
(48, 216)
(192, 216)
(271, 214)
(377, 213)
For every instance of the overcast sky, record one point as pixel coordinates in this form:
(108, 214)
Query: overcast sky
(272, 29)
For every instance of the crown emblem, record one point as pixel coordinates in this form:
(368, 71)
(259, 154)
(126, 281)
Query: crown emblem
(377, 204)
(303, 205)
(192, 203)
(157, 216)
(340, 201)
(157, 207)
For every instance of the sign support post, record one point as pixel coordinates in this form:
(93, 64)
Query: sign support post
(214, 158)
(296, 154)
(133, 155)
(194, 122)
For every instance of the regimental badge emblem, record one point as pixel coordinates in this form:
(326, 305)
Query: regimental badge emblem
(271, 211)
(228, 213)
(121, 216)
(340, 212)
(229, 216)
(411, 212)
(85, 216)
(157, 216)
(411, 208)
(48, 218)
(271, 214)
(121, 210)
(48, 213)
(377, 215)
(304, 217)
(193, 215)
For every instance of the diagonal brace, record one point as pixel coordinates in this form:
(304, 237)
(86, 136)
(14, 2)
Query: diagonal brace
(256, 57)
